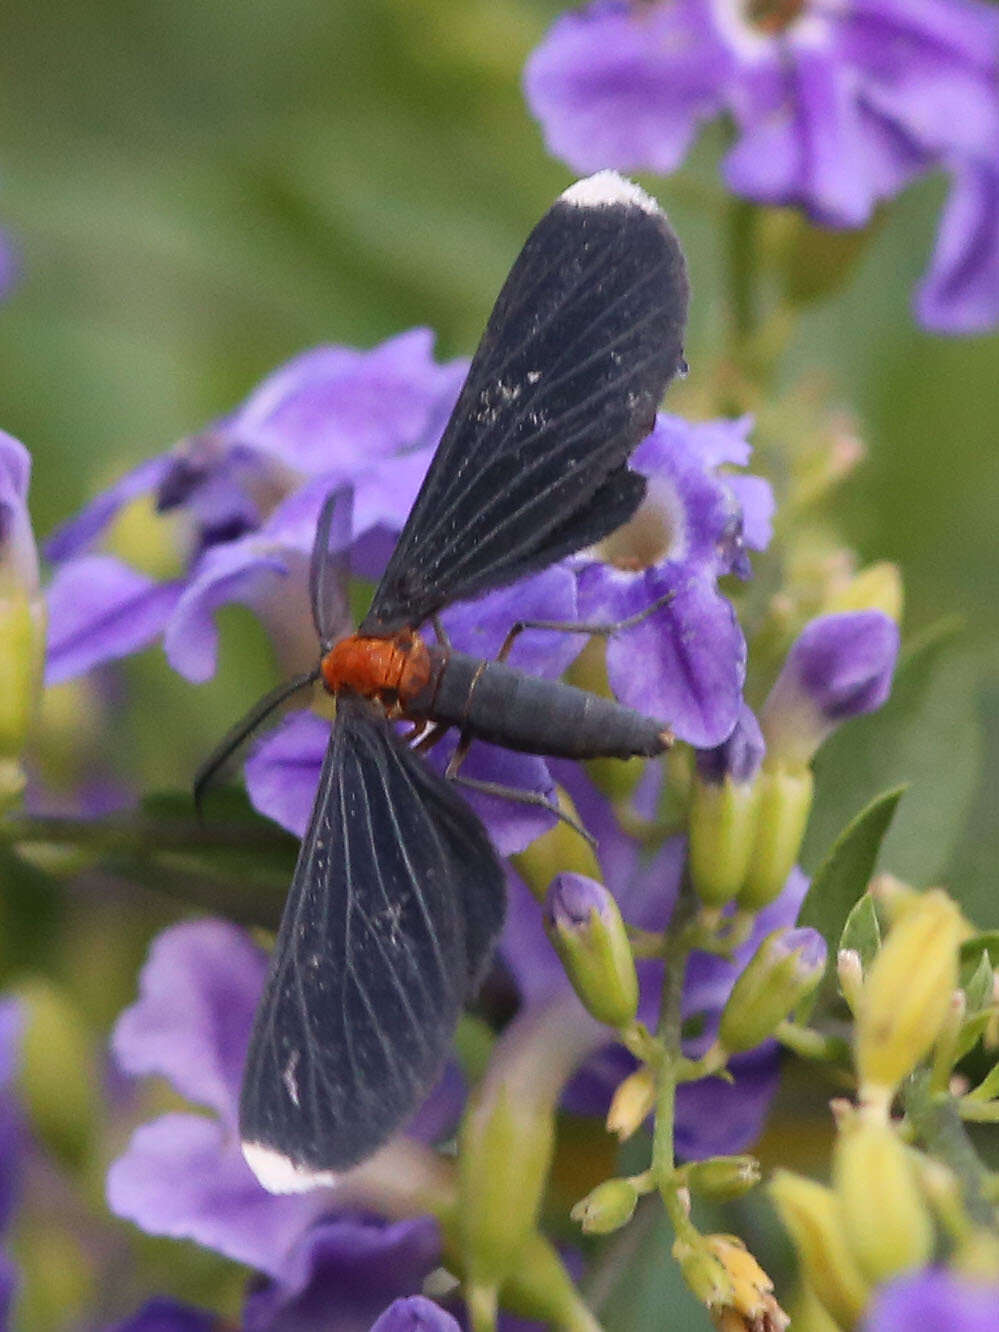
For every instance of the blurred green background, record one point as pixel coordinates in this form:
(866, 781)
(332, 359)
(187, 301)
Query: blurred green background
(201, 189)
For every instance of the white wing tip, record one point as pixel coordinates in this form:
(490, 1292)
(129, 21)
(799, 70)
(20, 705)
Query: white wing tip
(279, 1174)
(606, 188)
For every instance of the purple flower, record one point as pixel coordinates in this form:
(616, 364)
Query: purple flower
(184, 1175)
(837, 107)
(11, 1142)
(839, 667)
(415, 1315)
(164, 1315)
(739, 757)
(686, 661)
(960, 294)
(713, 1117)
(18, 555)
(331, 415)
(934, 1298)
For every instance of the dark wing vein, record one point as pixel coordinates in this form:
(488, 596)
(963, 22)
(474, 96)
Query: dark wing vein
(373, 956)
(578, 351)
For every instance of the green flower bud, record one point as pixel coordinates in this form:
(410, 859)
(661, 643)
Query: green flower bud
(907, 993)
(22, 617)
(557, 851)
(811, 1215)
(585, 926)
(606, 1208)
(871, 1165)
(724, 799)
(723, 1177)
(785, 968)
(785, 801)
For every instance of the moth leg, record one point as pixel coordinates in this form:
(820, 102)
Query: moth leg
(441, 632)
(429, 735)
(510, 792)
(595, 630)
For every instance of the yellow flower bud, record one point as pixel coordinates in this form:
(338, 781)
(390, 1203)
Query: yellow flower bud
(785, 801)
(907, 993)
(870, 1163)
(607, 1207)
(877, 587)
(631, 1103)
(811, 1214)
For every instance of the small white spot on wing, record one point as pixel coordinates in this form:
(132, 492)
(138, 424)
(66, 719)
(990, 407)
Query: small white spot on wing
(606, 188)
(289, 1079)
(279, 1174)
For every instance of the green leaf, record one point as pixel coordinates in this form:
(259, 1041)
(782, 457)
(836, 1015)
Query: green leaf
(632, 1279)
(978, 988)
(927, 736)
(842, 878)
(972, 950)
(971, 1032)
(988, 1088)
(862, 931)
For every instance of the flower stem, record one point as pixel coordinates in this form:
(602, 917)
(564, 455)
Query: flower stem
(668, 1068)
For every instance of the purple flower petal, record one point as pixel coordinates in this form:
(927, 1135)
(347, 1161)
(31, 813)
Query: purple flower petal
(840, 666)
(932, 1299)
(685, 663)
(100, 610)
(166, 1315)
(416, 1314)
(803, 137)
(340, 1275)
(717, 1118)
(11, 1124)
(930, 67)
(251, 571)
(739, 756)
(184, 1176)
(480, 627)
(960, 293)
(282, 773)
(75, 536)
(756, 499)
(15, 469)
(335, 407)
(191, 1024)
(9, 1282)
(511, 824)
(18, 553)
(618, 85)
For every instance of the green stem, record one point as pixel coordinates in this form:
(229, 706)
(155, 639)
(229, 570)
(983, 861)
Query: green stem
(668, 1033)
(809, 1044)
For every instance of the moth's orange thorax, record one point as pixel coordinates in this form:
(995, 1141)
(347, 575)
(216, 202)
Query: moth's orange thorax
(390, 669)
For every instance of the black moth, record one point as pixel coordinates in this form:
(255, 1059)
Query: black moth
(397, 896)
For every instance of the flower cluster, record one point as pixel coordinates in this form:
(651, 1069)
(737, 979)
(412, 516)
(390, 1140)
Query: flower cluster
(836, 108)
